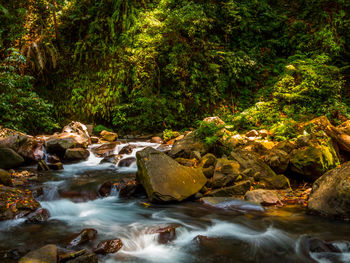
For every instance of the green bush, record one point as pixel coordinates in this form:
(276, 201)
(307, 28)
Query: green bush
(98, 128)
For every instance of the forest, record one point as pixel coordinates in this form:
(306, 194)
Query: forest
(174, 131)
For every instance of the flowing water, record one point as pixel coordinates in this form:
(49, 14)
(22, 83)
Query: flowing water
(235, 235)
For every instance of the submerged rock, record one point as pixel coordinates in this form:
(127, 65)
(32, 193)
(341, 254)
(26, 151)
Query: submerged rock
(263, 197)
(126, 187)
(105, 189)
(84, 236)
(330, 193)
(46, 254)
(126, 162)
(113, 158)
(39, 216)
(109, 246)
(166, 180)
(10, 159)
(165, 234)
(230, 203)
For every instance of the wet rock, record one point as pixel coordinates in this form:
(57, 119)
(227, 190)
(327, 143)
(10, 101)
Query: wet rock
(157, 140)
(114, 158)
(94, 139)
(208, 172)
(314, 159)
(275, 182)
(5, 178)
(76, 154)
(229, 203)
(278, 160)
(39, 216)
(86, 235)
(53, 158)
(59, 143)
(86, 258)
(56, 166)
(105, 189)
(208, 242)
(16, 203)
(69, 254)
(225, 173)
(187, 162)
(263, 197)
(77, 128)
(46, 254)
(109, 246)
(126, 162)
(207, 161)
(42, 166)
(108, 136)
(164, 179)
(184, 147)
(22, 144)
(330, 193)
(126, 187)
(10, 159)
(252, 133)
(166, 234)
(238, 189)
(127, 149)
(79, 196)
(104, 150)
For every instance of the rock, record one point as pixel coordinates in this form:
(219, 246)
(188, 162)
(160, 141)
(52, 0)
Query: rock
(215, 120)
(225, 173)
(207, 161)
(105, 189)
(90, 129)
(86, 235)
(156, 140)
(127, 149)
(42, 166)
(9, 208)
(69, 254)
(22, 144)
(46, 254)
(94, 139)
(285, 146)
(229, 203)
(207, 242)
(263, 197)
(275, 182)
(195, 155)
(5, 178)
(108, 136)
(104, 150)
(187, 162)
(76, 154)
(56, 166)
(209, 171)
(164, 179)
(109, 246)
(238, 189)
(59, 143)
(256, 147)
(330, 193)
(278, 160)
(126, 162)
(114, 158)
(184, 147)
(39, 216)
(77, 128)
(166, 234)
(341, 135)
(263, 133)
(86, 258)
(314, 159)
(250, 160)
(10, 159)
(53, 158)
(252, 133)
(126, 187)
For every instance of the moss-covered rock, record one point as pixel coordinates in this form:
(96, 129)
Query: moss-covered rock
(315, 157)
(278, 160)
(275, 182)
(225, 173)
(46, 254)
(184, 147)
(5, 178)
(166, 180)
(9, 158)
(238, 189)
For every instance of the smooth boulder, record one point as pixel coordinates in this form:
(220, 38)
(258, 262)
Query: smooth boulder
(46, 254)
(108, 246)
(263, 197)
(76, 154)
(10, 159)
(108, 136)
(330, 193)
(166, 180)
(59, 143)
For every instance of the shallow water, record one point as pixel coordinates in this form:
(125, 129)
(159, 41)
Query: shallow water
(273, 235)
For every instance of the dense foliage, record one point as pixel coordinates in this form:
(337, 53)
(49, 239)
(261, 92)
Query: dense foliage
(163, 64)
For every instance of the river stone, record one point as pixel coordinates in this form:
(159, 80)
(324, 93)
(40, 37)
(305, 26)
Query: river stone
(108, 136)
(126, 162)
(127, 149)
(76, 154)
(166, 180)
(22, 144)
(238, 189)
(109, 246)
(84, 236)
(330, 193)
(59, 143)
(77, 128)
(9, 159)
(39, 216)
(165, 234)
(263, 197)
(5, 178)
(105, 150)
(46, 254)
(230, 203)
(184, 147)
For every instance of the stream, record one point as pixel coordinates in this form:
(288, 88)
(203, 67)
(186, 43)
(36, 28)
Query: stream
(274, 235)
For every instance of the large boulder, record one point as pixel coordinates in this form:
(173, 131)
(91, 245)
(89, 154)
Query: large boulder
(330, 193)
(46, 254)
(314, 157)
(263, 197)
(105, 150)
(77, 128)
(166, 180)
(5, 178)
(108, 136)
(59, 143)
(76, 154)
(16, 203)
(9, 159)
(188, 144)
(22, 144)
